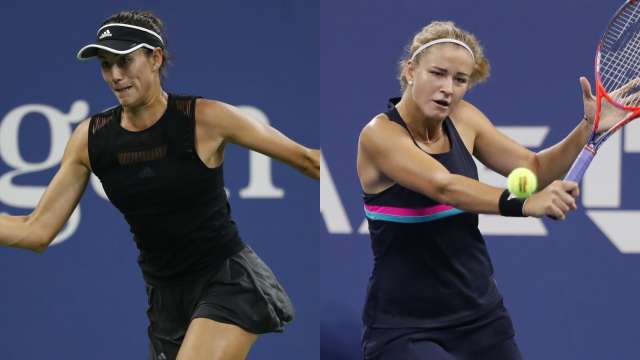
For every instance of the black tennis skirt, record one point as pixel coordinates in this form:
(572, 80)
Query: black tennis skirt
(244, 292)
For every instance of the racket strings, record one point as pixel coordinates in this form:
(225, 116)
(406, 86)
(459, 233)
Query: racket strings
(619, 57)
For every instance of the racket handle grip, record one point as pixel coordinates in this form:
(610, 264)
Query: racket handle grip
(581, 164)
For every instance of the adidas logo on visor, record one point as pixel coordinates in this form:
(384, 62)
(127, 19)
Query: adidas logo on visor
(105, 34)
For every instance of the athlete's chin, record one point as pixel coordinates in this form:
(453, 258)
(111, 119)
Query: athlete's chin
(436, 113)
(126, 101)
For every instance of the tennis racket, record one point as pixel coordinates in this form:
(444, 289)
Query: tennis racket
(617, 66)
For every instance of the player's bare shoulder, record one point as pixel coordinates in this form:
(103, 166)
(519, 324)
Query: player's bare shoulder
(78, 146)
(377, 132)
(208, 110)
(469, 121)
(466, 114)
(371, 142)
(216, 118)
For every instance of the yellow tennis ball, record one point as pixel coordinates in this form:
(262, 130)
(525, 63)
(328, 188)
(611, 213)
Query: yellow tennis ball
(522, 182)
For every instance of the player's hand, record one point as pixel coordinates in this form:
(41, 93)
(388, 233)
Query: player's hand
(554, 201)
(609, 114)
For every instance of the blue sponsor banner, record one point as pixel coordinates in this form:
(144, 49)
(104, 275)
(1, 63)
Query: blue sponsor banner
(570, 286)
(84, 297)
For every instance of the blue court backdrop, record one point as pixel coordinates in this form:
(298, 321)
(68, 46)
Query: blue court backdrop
(84, 297)
(572, 286)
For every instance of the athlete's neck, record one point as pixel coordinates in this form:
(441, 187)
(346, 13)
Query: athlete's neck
(140, 117)
(423, 129)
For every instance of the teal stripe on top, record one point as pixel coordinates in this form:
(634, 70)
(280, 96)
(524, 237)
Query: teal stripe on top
(412, 219)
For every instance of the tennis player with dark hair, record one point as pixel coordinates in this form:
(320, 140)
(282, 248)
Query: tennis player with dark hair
(431, 294)
(159, 157)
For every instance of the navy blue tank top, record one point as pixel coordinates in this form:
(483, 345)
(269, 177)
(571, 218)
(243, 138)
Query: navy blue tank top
(431, 265)
(175, 205)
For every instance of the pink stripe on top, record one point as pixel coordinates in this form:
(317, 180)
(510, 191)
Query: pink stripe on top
(397, 211)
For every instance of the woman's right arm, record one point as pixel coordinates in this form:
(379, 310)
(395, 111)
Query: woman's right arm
(38, 229)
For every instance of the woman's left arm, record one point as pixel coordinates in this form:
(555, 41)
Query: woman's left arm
(218, 119)
(549, 164)
(502, 154)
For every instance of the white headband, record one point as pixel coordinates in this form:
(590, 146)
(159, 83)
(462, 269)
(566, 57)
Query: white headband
(439, 41)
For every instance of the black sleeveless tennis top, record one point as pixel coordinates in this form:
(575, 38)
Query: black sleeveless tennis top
(175, 205)
(431, 266)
